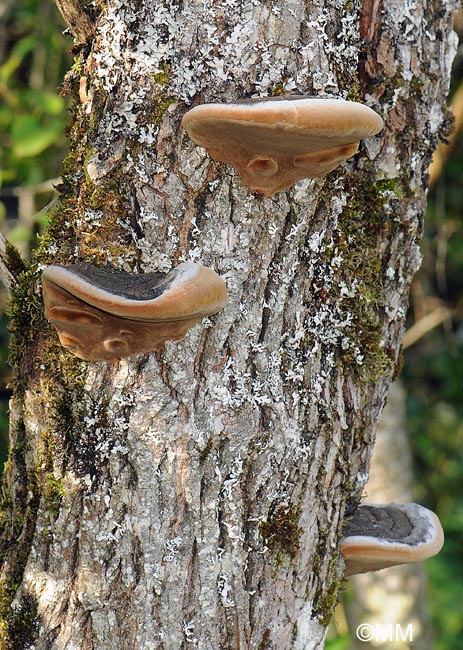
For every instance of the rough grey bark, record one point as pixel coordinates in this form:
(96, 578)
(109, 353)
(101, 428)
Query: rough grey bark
(196, 497)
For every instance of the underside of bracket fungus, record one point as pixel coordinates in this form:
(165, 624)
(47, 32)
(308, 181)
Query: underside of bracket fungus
(380, 536)
(104, 314)
(275, 142)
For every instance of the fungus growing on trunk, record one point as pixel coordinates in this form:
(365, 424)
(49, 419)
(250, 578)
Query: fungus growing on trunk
(104, 314)
(277, 141)
(380, 536)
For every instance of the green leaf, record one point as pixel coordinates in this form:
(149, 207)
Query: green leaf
(339, 643)
(19, 234)
(30, 137)
(49, 103)
(19, 51)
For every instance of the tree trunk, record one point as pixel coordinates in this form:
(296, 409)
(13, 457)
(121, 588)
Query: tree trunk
(196, 497)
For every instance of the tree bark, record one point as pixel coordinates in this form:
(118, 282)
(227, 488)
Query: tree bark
(196, 497)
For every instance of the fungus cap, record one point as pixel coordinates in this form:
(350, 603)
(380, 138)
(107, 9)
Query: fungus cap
(277, 141)
(106, 314)
(380, 536)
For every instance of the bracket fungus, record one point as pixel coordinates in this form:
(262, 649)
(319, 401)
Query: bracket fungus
(104, 314)
(276, 141)
(380, 536)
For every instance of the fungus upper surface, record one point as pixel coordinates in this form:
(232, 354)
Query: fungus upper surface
(277, 141)
(104, 314)
(379, 536)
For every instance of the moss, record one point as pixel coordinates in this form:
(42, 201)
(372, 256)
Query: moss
(19, 624)
(62, 390)
(327, 603)
(24, 303)
(13, 260)
(163, 76)
(326, 598)
(161, 106)
(363, 222)
(354, 92)
(281, 531)
(376, 362)
(41, 364)
(53, 492)
(349, 83)
(25, 314)
(18, 513)
(72, 233)
(278, 90)
(355, 286)
(160, 101)
(366, 201)
(30, 352)
(54, 374)
(61, 231)
(108, 200)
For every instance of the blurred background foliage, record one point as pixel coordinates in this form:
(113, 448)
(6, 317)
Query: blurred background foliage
(33, 60)
(433, 377)
(34, 57)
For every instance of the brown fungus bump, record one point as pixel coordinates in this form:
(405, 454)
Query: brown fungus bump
(380, 536)
(104, 314)
(275, 142)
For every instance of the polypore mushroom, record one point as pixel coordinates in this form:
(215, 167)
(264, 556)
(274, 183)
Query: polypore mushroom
(277, 141)
(103, 314)
(380, 536)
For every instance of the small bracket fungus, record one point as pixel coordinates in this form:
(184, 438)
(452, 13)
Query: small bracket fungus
(277, 141)
(381, 536)
(103, 314)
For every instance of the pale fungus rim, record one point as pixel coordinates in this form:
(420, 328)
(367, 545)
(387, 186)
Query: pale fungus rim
(188, 291)
(372, 552)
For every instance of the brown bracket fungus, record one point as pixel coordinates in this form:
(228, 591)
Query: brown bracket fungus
(103, 314)
(380, 536)
(277, 141)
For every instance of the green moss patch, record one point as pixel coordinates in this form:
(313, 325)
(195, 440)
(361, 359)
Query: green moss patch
(19, 624)
(363, 223)
(281, 531)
